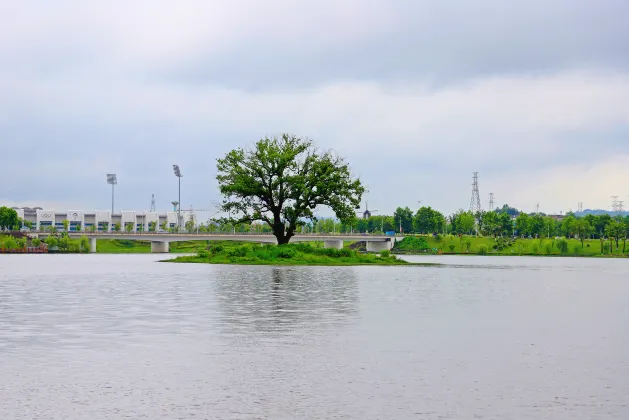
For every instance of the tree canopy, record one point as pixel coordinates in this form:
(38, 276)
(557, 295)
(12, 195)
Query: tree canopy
(8, 218)
(282, 180)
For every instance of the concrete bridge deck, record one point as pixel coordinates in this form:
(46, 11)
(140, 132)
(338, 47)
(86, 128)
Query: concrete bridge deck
(160, 240)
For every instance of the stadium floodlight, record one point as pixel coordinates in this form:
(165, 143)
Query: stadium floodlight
(178, 175)
(112, 180)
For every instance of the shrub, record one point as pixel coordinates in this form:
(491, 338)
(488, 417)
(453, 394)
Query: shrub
(535, 249)
(549, 249)
(51, 241)
(606, 248)
(346, 253)
(239, 251)
(84, 243)
(36, 242)
(385, 254)
(576, 249)
(451, 246)
(216, 249)
(438, 238)
(482, 250)
(202, 253)
(562, 246)
(288, 252)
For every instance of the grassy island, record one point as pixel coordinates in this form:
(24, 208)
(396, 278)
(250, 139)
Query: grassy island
(289, 254)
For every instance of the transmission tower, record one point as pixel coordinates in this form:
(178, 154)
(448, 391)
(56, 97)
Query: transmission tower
(475, 201)
(580, 206)
(152, 202)
(614, 203)
(491, 202)
(537, 208)
(619, 206)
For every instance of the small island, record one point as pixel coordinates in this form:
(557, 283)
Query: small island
(288, 254)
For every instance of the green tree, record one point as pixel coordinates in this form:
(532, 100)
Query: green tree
(8, 218)
(152, 226)
(78, 227)
(465, 222)
(568, 226)
(164, 226)
(491, 223)
(582, 228)
(403, 218)
(117, 227)
(64, 243)
(190, 226)
(615, 230)
(506, 224)
(523, 224)
(51, 241)
(66, 224)
(128, 227)
(282, 180)
(84, 244)
(93, 228)
(548, 227)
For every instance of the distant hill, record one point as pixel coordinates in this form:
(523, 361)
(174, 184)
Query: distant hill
(598, 212)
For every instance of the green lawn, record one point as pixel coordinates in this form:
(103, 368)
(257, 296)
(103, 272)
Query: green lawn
(456, 245)
(116, 246)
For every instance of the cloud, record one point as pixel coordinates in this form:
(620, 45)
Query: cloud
(416, 96)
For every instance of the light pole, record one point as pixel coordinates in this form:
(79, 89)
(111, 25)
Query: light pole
(178, 175)
(112, 180)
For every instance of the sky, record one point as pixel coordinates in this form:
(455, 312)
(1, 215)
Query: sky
(416, 95)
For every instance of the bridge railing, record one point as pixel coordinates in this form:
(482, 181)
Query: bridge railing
(150, 233)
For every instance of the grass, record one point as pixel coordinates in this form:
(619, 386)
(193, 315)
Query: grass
(291, 254)
(117, 246)
(450, 244)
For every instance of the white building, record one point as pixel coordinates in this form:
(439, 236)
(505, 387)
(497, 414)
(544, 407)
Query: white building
(103, 220)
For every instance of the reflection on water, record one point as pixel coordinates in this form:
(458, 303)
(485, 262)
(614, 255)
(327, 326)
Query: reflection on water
(123, 337)
(264, 300)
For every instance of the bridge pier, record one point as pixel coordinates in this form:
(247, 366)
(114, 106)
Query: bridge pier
(92, 245)
(160, 247)
(373, 246)
(336, 244)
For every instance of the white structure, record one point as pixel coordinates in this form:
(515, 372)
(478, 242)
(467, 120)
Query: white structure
(104, 220)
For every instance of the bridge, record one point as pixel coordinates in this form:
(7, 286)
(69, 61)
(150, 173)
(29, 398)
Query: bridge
(160, 240)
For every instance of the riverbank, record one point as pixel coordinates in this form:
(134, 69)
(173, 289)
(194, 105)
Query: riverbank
(471, 245)
(291, 254)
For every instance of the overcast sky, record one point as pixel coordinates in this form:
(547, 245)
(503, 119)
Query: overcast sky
(417, 95)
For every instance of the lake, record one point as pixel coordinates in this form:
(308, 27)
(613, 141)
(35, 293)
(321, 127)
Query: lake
(124, 337)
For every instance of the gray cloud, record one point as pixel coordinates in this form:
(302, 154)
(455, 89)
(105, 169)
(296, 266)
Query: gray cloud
(417, 95)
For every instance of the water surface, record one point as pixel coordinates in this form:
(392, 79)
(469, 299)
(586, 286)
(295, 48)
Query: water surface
(123, 337)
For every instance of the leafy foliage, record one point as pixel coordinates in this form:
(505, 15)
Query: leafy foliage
(282, 180)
